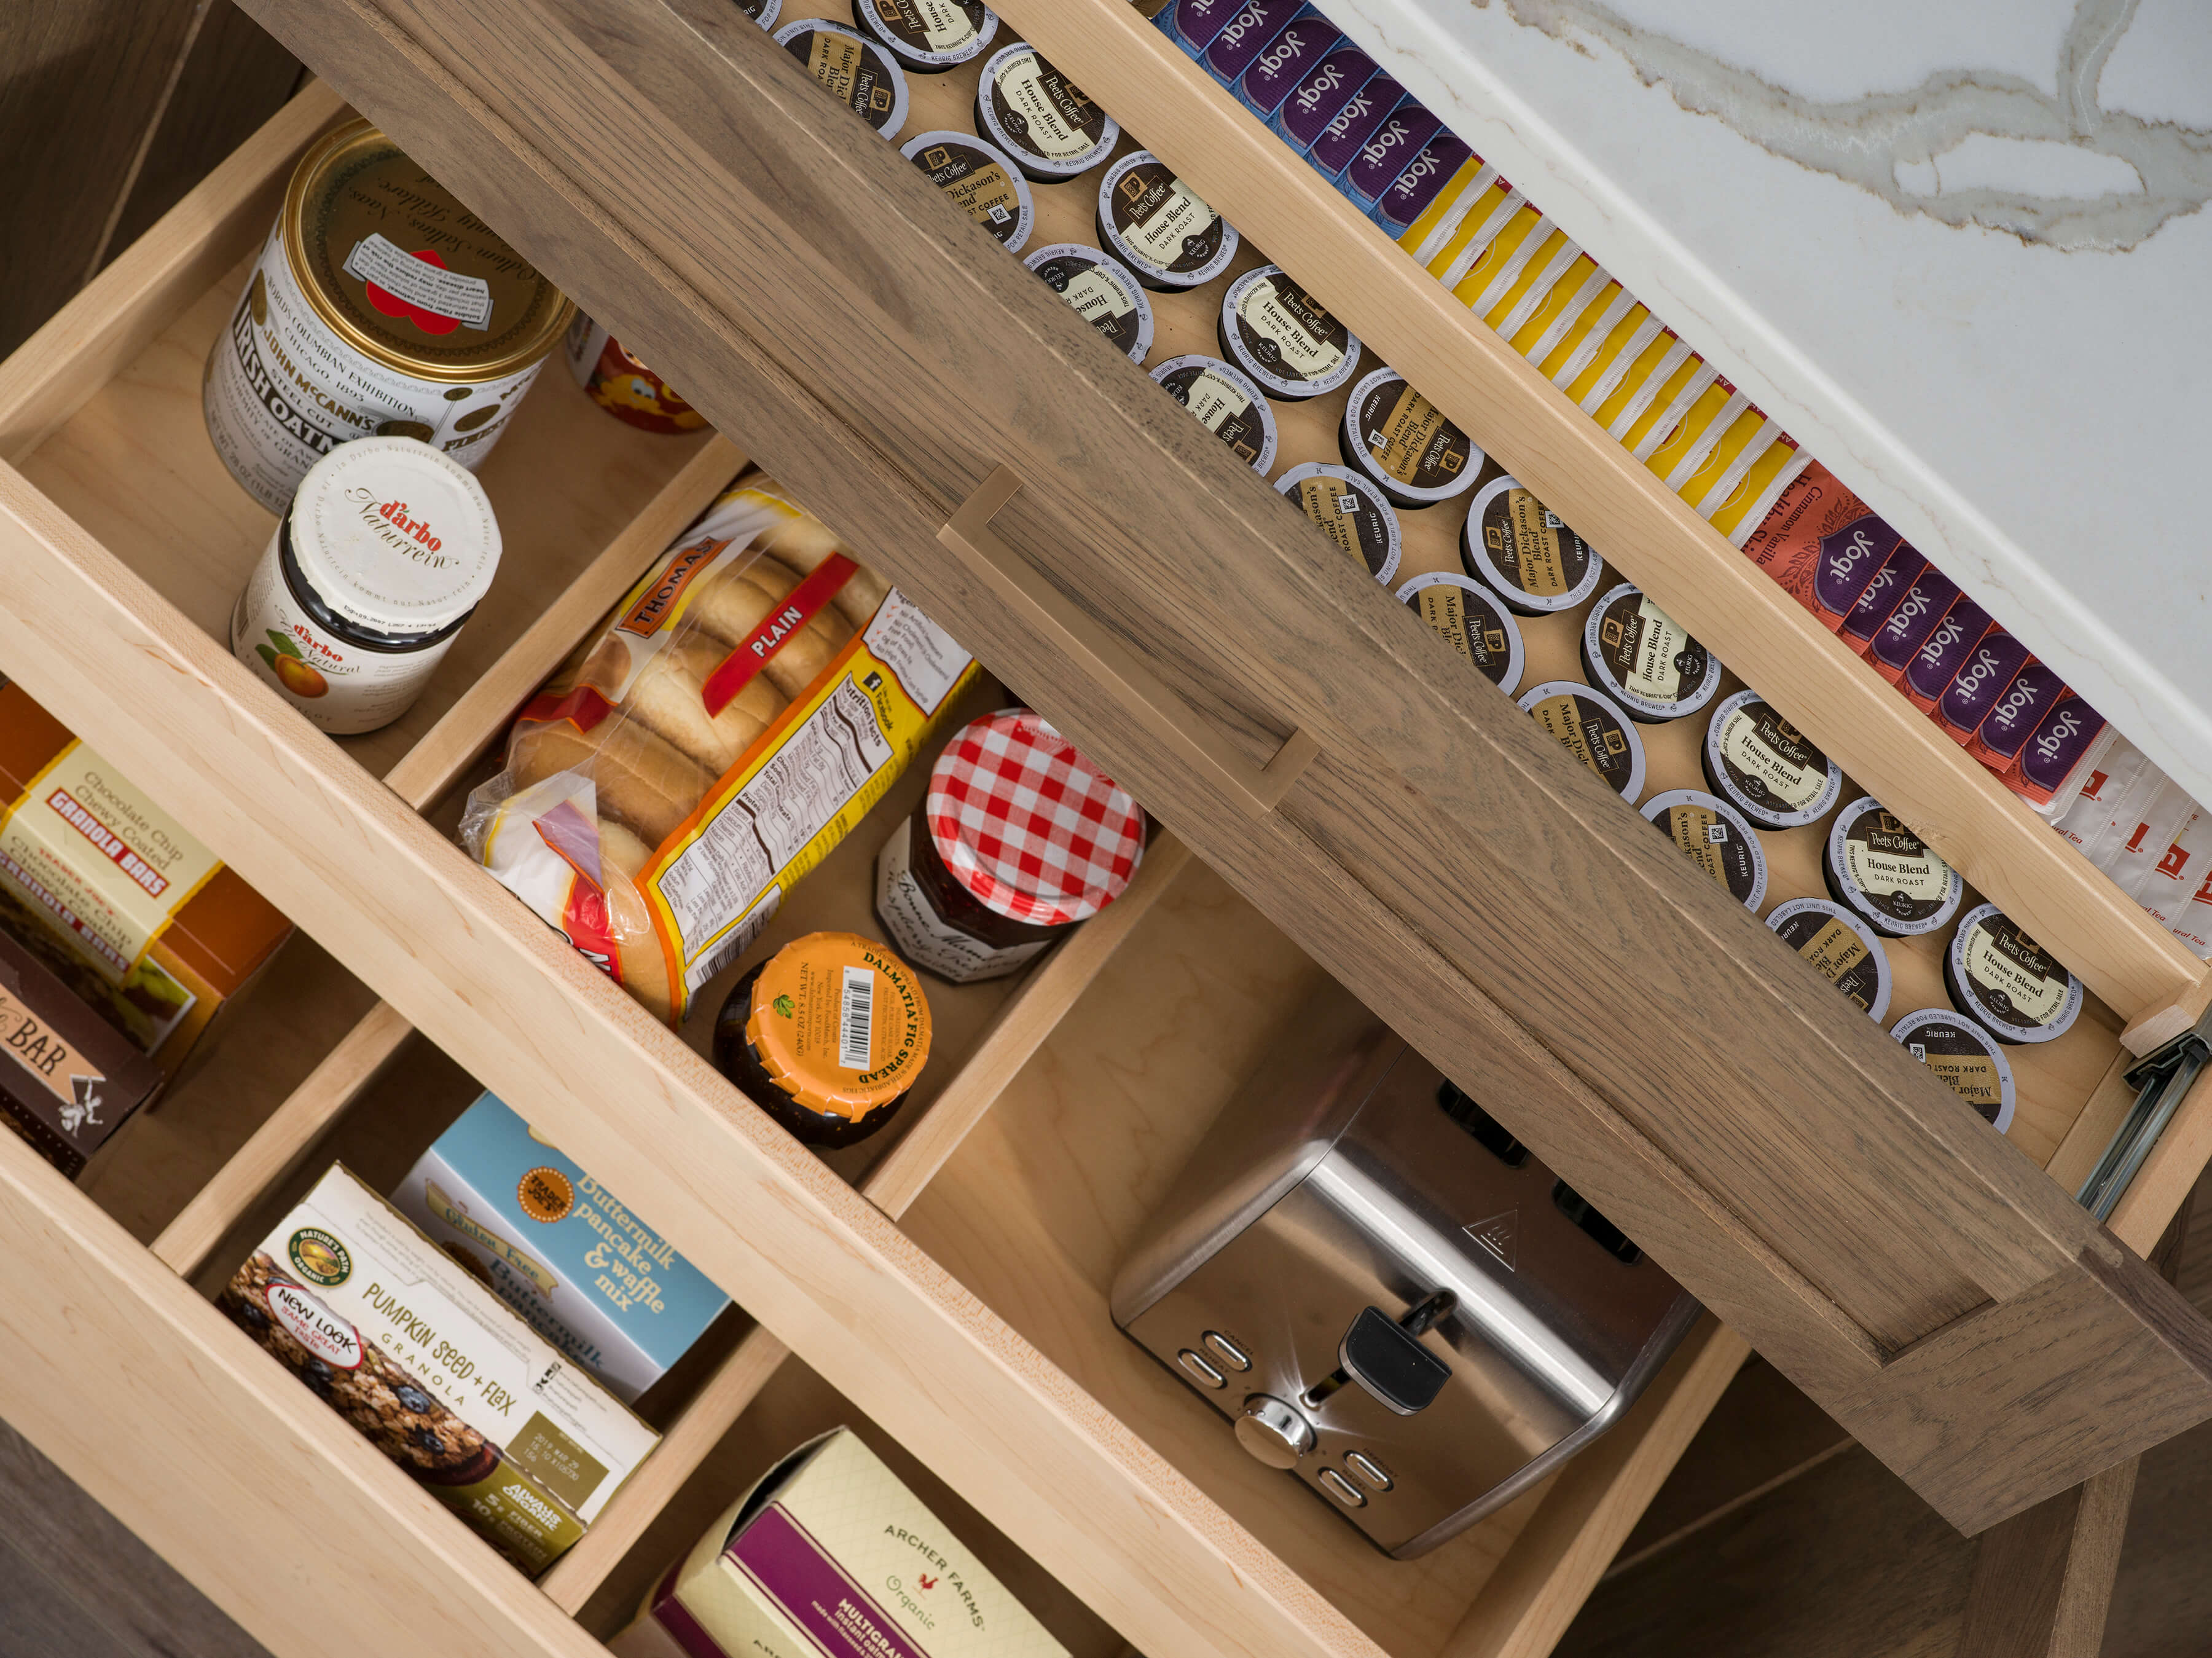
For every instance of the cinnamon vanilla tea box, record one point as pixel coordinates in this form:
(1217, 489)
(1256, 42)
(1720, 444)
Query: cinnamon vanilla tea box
(557, 1247)
(829, 1554)
(435, 1371)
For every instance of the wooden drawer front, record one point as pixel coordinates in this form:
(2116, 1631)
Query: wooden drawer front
(1815, 1188)
(1119, 1504)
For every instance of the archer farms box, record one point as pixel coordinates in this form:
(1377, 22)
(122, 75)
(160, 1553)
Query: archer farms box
(830, 1554)
(435, 1371)
(586, 1274)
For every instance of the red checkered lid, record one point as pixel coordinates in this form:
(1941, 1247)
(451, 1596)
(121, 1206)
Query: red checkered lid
(1027, 824)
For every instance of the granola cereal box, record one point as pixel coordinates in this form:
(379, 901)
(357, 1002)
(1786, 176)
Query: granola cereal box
(434, 1371)
(829, 1554)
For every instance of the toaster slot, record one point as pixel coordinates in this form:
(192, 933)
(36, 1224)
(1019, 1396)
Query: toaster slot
(1608, 1237)
(1481, 1128)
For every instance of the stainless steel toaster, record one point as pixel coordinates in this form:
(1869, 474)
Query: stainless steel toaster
(1385, 1294)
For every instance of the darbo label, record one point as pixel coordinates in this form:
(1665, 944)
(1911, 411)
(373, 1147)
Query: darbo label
(282, 391)
(341, 686)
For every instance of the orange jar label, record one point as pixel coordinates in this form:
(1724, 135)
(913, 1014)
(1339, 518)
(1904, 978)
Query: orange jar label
(839, 1022)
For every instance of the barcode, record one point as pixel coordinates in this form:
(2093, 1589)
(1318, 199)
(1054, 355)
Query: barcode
(858, 1023)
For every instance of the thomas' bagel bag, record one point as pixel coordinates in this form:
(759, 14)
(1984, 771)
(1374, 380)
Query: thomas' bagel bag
(745, 704)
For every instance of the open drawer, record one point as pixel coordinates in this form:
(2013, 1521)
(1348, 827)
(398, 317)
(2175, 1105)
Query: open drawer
(1838, 1225)
(1303, 735)
(1173, 1538)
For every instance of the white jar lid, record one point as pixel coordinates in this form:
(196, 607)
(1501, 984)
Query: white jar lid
(393, 536)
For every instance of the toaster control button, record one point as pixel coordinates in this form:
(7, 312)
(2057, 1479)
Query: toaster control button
(1342, 1488)
(1274, 1433)
(1227, 1351)
(1199, 1370)
(1371, 1472)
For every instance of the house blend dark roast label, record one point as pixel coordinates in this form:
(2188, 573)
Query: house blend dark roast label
(1526, 551)
(1100, 290)
(2007, 980)
(1048, 124)
(1768, 767)
(928, 35)
(1160, 225)
(1888, 874)
(1642, 655)
(1224, 402)
(1282, 336)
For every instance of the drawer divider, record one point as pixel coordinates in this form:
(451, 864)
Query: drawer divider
(429, 768)
(967, 535)
(1029, 1017)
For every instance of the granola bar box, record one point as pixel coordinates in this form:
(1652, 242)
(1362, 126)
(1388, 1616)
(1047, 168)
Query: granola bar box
(435, 1371)
(124, 907)
(565, 1253)
(829, 1554)
(68, 1081)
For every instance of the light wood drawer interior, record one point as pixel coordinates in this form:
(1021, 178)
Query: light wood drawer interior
(1056, 1106)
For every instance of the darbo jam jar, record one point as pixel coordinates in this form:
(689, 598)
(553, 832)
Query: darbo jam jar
(379, 306)
(388, 548)
(1018, 838)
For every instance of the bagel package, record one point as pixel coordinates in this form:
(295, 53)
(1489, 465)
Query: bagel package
(745, 704)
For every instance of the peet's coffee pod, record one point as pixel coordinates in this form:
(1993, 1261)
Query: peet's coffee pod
(1350, 511)
(1842, 949)
(1160, 227)
(1764, 766)
(1102, 290)
(1963, 1055)
(928, 37)
(2008, 982)
(1644, 659)
(1526, 552)
(852, 69)
(763, 12)
(1590, 726)
(1879, 869)
(978, 179)
(1398, 439)
(1464, 615)
(1280, 335)
(1225, 403)
(1050, 125)
(1713, 834)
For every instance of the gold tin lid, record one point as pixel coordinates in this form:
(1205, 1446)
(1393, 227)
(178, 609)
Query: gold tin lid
(457, 304)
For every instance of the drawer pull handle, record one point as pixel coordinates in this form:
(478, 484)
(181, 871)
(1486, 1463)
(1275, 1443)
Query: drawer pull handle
(1256, 789)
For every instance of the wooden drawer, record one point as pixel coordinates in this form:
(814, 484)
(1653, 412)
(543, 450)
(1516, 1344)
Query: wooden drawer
(795, 268)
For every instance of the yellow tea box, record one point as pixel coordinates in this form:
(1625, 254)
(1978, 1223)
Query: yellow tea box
(829, 1554)
(434, 1370)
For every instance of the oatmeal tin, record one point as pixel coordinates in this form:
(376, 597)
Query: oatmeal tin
(379, 306)
(388, 548)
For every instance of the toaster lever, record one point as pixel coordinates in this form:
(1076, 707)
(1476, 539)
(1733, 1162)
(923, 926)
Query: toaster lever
(1387, 1359)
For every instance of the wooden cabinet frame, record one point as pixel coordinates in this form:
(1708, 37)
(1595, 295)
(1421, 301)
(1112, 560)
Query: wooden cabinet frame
(1937, 1291)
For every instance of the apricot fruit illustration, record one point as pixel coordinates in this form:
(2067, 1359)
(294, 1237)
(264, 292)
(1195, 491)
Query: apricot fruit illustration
(299, 678)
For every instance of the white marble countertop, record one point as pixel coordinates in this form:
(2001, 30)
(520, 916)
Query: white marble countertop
(1959, 252)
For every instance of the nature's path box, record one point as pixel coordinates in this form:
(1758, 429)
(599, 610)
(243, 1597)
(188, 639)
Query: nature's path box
(435, 1371)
